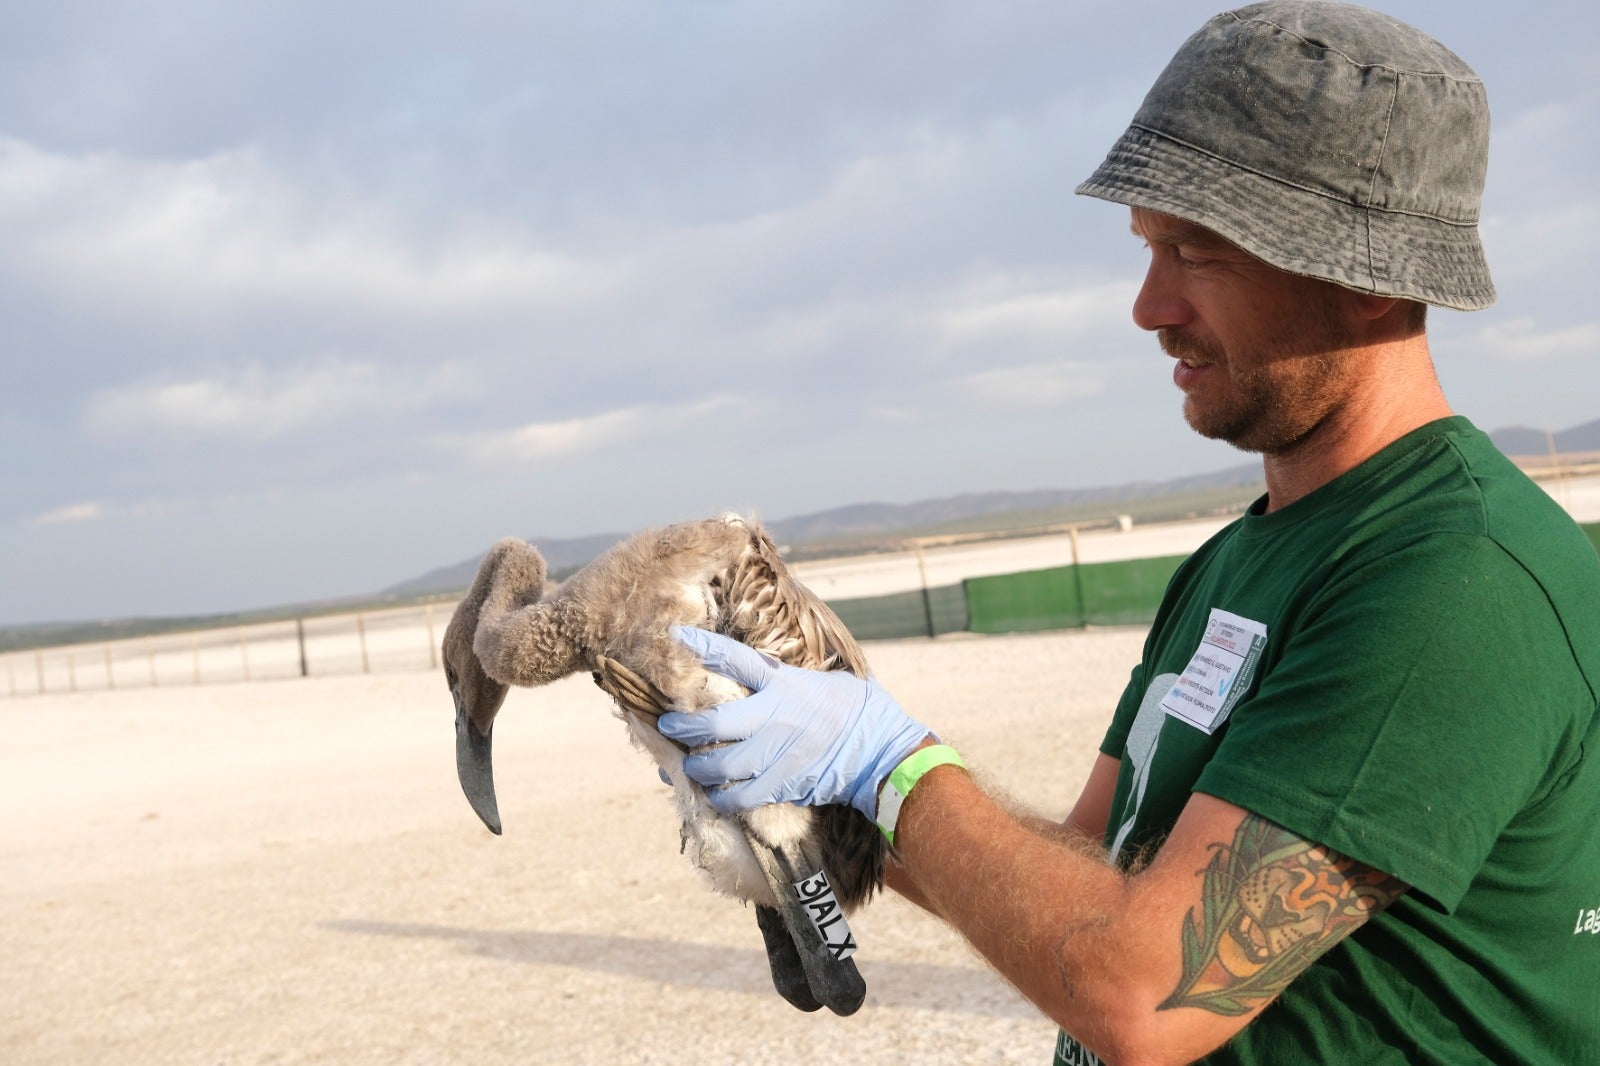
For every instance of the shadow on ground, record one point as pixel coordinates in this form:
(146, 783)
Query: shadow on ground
(961, 989)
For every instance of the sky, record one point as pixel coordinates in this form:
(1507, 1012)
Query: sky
(301, 300)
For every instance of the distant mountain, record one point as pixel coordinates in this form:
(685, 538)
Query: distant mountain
(1520, 440)
(852, 527)
(876, 519)
(560, 555)
(871, 520)
(861, 527)
(857, 527)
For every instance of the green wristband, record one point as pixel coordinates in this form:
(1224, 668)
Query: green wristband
(903, 778)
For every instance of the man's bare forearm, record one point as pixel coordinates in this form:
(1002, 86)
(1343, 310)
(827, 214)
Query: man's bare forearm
(1033, 897)
(1158, 965)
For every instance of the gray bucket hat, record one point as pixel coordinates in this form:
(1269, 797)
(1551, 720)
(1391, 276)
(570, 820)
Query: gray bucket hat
(1326, 139)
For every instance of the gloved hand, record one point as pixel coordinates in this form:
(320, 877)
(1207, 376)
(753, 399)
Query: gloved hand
(802, 736)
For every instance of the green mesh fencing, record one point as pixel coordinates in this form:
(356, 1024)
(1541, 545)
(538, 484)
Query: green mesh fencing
(904, 614)
(1025, 602)
(1126, 593)
(1120, 593)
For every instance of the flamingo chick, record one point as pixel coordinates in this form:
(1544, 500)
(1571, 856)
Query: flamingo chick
(803, 868)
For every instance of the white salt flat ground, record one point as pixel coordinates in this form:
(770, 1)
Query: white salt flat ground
(1579, 495)
(877, 575)
(285, 872)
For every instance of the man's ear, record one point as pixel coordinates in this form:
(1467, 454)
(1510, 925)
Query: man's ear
(1385, 317)
(1369, 307)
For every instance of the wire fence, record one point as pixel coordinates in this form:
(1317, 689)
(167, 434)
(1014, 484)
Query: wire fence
(922, 592)
(407, 638)
(1120, 592)
(402, 638)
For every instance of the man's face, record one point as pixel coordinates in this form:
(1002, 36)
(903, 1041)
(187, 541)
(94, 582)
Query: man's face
(1261, 353)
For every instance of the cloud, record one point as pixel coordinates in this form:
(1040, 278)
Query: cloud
(229, 233)
(1004, 317)
(77, 512)
(1025, 337)
(259, 403)
(1520, 340)
(1036, 386)
(1539, 213)
(856, 230)
(539, 442)
(1521, 142)
(1546, 241)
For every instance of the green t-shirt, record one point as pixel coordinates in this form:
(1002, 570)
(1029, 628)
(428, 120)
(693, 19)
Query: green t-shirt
(1403, 666)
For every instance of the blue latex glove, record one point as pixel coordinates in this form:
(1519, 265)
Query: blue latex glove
(802, 736)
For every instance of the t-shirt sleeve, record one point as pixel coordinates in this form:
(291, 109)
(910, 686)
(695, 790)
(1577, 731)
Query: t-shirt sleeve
(1422, 700)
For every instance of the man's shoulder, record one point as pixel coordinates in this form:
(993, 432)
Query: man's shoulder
(1527, 523)
(1452, 479)
(1464, 506)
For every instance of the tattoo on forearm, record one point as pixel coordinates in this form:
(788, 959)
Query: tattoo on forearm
(1270, 904)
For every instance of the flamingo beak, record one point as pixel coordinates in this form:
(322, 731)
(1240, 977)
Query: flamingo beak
(475, 764)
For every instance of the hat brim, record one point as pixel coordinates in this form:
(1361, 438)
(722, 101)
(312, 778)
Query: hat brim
(1387, 253)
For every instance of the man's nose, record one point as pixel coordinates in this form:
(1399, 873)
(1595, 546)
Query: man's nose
(1160, 303)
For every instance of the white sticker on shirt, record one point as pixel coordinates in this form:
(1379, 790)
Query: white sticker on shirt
(1218, 673)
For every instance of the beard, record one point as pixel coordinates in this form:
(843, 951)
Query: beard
(1291, 382)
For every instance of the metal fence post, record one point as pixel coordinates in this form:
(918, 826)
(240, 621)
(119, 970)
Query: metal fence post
(927, 601)
(300, 635)
(1077, 579)
(433, 648)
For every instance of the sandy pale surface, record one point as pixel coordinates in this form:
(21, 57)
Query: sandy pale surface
(285, 872)
(878, 575)
(1579, 495)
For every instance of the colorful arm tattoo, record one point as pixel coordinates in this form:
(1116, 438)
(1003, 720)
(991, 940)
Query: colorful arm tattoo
(1270, 903)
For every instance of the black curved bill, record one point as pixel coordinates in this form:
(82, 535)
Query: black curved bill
(475, 767)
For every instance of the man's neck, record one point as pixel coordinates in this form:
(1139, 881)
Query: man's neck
(1399, 393)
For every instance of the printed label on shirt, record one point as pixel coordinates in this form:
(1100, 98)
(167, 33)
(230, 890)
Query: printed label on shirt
(822, 907)
(1219, 671)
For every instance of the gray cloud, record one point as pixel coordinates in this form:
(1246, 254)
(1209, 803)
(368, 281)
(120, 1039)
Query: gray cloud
(354, 289)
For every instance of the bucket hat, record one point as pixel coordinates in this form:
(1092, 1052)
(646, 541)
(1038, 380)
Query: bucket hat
(1325, 139)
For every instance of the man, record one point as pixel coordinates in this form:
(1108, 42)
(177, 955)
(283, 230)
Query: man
(1354, 775)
